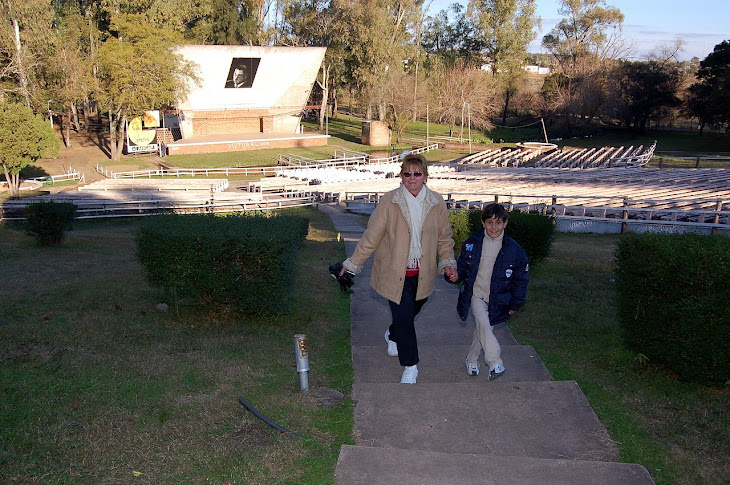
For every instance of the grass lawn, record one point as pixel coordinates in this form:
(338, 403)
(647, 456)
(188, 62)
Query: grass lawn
(98, 386)
(679, 431)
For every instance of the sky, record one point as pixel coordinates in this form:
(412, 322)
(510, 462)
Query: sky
(701, 24)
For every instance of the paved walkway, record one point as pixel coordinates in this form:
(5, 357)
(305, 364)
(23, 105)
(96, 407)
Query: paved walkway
(452, 428)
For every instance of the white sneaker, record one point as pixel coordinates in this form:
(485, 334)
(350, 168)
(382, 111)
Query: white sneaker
(495, 370)
(472, 368)
(410, 374)
(392, 346)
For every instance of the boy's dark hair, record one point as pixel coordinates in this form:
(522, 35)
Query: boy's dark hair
(494, 210)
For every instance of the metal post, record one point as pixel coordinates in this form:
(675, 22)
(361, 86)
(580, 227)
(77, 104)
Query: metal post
(716, 219)
(302, 355)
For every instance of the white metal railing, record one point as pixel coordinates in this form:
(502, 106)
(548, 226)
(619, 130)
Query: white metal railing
(703, 213)
(51, 179)
(98, 208)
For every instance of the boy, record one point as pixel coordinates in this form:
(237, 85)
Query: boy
(495, 272)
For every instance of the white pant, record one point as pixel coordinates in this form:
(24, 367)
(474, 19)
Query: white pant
(483, 336)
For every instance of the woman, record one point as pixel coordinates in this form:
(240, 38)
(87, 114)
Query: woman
(408, 232)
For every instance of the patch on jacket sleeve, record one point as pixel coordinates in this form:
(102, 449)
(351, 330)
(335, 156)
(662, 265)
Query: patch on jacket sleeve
(469, 247)
(508, 273)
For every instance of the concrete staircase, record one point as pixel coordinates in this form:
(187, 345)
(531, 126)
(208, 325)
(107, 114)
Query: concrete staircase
(523, 428)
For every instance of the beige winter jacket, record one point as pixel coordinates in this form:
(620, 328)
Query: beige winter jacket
(388, 236)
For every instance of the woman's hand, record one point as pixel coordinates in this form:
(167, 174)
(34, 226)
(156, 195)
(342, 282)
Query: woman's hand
(451, 273)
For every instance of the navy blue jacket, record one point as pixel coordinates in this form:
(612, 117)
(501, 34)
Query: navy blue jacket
(510, 276)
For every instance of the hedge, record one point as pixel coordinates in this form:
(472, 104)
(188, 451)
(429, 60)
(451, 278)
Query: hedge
(245, 261)
(673, 298)
(534, 232)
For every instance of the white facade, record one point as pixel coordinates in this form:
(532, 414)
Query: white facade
(249, 88)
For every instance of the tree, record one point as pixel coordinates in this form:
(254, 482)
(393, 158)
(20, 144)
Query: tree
(453, 40)
(380, 39)
(645, 90)
(583, 44)
(505, 27)
(709, 97)
(25, 35)
(137, 72)
(24, 138)
(453, 88)
(69, 74)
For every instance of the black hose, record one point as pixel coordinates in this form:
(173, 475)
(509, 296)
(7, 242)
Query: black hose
(263, 418)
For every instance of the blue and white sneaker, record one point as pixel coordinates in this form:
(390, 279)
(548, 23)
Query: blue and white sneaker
(495, 371)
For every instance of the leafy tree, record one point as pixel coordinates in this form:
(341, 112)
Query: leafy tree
(380, 38)
(69, 73)
(582, 43)
(25, 35)
(453, 40)
(236, 22)
(138, 71)
(709, 97)
(645, 90)
(505, 27)
(24, 138)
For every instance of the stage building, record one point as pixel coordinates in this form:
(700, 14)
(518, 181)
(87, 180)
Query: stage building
(248, 98)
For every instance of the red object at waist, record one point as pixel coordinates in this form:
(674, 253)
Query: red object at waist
(411, 272)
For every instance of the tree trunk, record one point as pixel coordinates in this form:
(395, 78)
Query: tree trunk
(20, 69)
(66, 128)
(335, 105)
(116, 134)
(507, 96)
(75, 118)
(325, 96)
(13, 182)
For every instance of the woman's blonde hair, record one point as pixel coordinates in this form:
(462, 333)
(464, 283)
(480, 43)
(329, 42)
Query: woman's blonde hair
(414, 159)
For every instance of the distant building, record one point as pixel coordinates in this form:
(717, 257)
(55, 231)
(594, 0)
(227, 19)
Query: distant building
(537, 70)
(531, 69)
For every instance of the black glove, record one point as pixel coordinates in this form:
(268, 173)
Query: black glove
(346, 280)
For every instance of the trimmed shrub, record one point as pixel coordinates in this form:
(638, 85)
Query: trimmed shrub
(464, 223)
(243, 260)
(49, 221)
(534, 232)
(673, 297)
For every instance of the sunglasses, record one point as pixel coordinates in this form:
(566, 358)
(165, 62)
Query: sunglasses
(408, 174)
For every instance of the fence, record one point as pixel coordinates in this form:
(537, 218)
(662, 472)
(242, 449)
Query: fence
(704, 213)
(51, 179)
(103, 209)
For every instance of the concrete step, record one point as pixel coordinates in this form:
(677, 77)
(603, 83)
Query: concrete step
(445, 363)
(362, 465)
(538, 419)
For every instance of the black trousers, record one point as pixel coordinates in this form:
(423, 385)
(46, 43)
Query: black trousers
(402, 330)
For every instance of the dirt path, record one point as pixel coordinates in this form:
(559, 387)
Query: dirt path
(85, 152)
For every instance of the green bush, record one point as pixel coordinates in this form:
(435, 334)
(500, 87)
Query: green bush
(464, 223)
(49, 221)
(673, 307)
(244, 261)
(534, 232)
